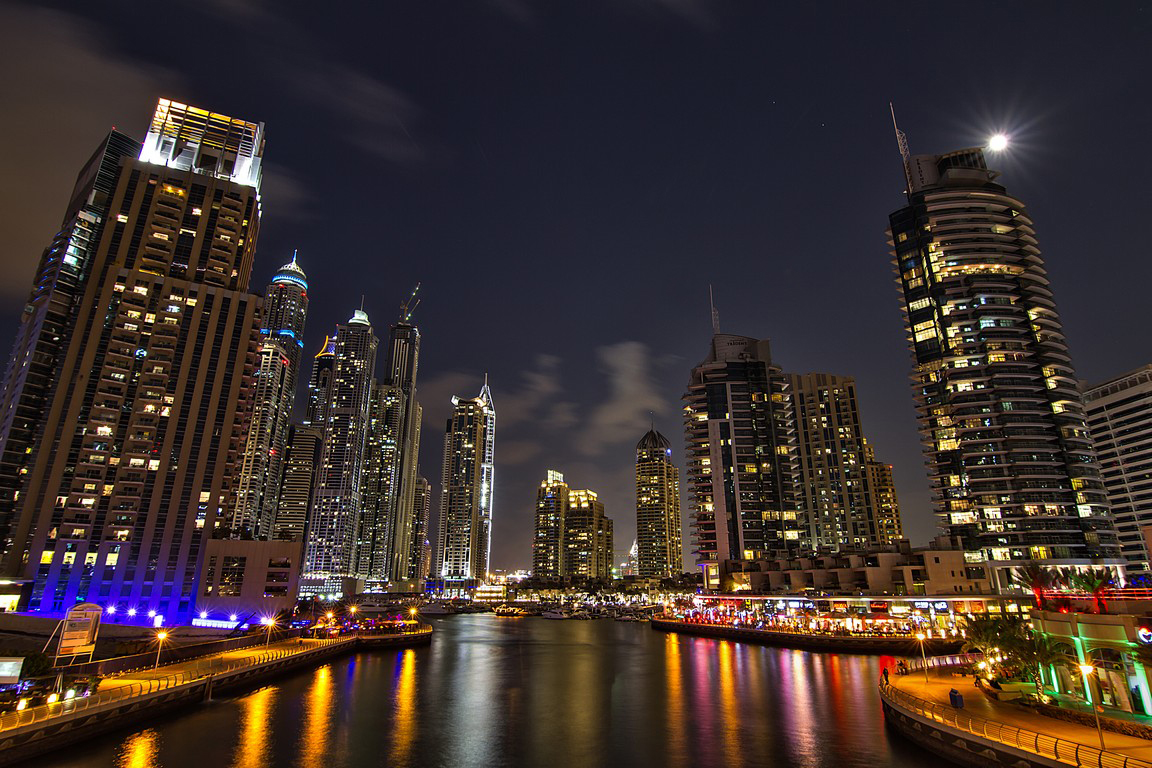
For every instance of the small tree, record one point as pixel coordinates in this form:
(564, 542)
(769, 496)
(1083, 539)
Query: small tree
(1094, 581)
(1036, 578)
(1033, 651)
(983, 633)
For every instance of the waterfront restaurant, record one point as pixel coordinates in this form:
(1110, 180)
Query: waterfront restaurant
(886, 615)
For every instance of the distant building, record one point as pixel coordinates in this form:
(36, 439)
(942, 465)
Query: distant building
(402, 365)
(835, 468)
(1120, 420)
(548, 533)
(304, 448)
(262, 470)
(318, 383)
(659, 552)
(423, 509)
(1011, 463)
(885, 507)
(333, 525)
(587, 549)
(142, 432)
(466, 489)
(573, 537)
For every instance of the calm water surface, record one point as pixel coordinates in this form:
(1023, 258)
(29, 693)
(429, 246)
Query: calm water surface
(494, 691)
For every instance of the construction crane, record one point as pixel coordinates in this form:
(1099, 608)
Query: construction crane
(409, 305)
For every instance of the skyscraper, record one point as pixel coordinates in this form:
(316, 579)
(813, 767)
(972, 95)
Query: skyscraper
(420, 543)
(587, 547)
(296, 492)
(548, 533)
(318, 383)
(334, 522)
(466, 489)
(1011, 463)
(839, 507)
(143, 432)
(403, 361)
(282, 332)
(46, 327)
(1120, 419)
(659, 550)
(381, 484)
(882, 488)
(739, 448)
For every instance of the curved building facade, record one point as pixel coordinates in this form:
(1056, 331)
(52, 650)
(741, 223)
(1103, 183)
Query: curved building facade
(1003, 425)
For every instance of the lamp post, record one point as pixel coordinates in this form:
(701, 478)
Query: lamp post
(161, 636)
(923, 655)
(1086, 670)
(268, 622)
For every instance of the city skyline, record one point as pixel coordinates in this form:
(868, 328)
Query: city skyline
(659, 178)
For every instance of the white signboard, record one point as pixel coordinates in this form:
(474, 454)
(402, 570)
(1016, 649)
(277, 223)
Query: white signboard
(79, 629)
(10, 670)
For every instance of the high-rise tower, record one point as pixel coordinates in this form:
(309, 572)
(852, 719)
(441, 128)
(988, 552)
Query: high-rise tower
(282, 332)
(1006, 442)
(466, 491)
(403, 360)
(658, 537)
(46, 326)
(739, 456)
(548, 533)
(302, 461)
(143, 432)
(318, 383)
(335, 518)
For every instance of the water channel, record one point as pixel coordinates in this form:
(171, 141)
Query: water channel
(494, 691)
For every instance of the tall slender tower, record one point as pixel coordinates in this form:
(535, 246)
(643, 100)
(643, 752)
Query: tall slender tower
(285, 310)
(586, 551)
(466, 496)
(548, 534)
(403, 361)
(318, 383)
(46, 326)
(659, 550)
(300, 468)
(334, 525)
(147, 420)
(739, 455)
(1013, 472)
(882, 490)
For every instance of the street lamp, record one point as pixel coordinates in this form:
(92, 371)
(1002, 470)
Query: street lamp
(923, 655)
(1086, 670)
(161, 636)
(268, 622)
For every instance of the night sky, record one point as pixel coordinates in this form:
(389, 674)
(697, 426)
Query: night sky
(566, 178)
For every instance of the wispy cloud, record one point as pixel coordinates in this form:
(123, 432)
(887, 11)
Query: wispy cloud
(633, 397)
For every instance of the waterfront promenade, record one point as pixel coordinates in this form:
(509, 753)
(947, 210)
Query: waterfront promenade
(1039, 739)
(132, 696)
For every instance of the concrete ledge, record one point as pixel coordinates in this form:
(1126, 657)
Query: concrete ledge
(897, 646)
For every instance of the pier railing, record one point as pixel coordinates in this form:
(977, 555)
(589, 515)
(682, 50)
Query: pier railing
(1060, 750)
(201, 670)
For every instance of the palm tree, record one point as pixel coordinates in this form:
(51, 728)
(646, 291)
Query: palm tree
(1093, 581)
(984, 632)
(1034, 651)
(1036, 578)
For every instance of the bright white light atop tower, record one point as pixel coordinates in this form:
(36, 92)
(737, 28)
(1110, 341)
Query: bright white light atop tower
(998, 143)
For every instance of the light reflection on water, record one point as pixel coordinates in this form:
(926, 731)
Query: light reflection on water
(530, 692)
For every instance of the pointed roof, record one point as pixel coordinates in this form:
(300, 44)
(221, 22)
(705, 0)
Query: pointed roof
(485, 393)
(653, 441)
(291, 273)
(328, 349)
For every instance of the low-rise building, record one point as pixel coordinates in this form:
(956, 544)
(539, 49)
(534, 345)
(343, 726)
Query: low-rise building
(248, 579)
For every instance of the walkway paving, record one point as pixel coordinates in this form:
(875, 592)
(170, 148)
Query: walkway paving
(206, 665)
(976, 704)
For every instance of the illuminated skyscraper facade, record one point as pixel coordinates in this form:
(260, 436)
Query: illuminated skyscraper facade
(296, 492)
(282, 332)
(885, 506)
(147, 420)
(548, 533)
(1120, 419)
(466, 490)
(46, 327)
(587, 546)
(1013, 472)
(659, 551)
(330, 552)
(403, 361)
(739, 456)
(840, 509)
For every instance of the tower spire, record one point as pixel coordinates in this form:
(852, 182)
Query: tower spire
(902, 143)
(715, 314)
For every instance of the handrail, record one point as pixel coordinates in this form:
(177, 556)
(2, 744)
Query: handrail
(1061, 750)
(31, 715)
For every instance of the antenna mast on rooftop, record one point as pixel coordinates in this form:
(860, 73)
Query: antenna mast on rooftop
(902, 142)
(409, 306)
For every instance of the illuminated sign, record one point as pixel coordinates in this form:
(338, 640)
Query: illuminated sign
(1144, 635)
(10, 670)
(878, 606)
